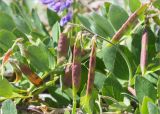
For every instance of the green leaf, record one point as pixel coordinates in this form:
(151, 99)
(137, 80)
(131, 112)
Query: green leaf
(144, 88)
(117, 16)
(91, 25)
(6, 22)
(55, 33)
(6, 39)
(39, 57)
(5, 8)
(61, 97)
(37, 23)
(144, 107)
(99, 80)
(104, 24)
(84, 20)
(21, 24)
(105, 9)
(112, 88)
(8, 107)
(134, 5)
(156, 4)
(87, 102)
(115, 63)
(52, 17)
(153, 109)
(5, 88)
(158, 88)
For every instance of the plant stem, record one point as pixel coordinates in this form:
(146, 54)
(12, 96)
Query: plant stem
(74, 100)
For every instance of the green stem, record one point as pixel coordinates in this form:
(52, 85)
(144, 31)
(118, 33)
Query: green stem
(43, 87)
(54, 71)
(74, 100)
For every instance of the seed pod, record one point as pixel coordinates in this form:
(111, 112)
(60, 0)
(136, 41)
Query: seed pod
(144, 48)
(7, 56)
(67, 80)
(62, 49)
(92, 64)
(128, 23)
(76, 65)
(34, 78)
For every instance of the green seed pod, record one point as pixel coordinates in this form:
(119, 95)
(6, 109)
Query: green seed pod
(62, 49)
(92, 64)
(144, 49)
(76, 65)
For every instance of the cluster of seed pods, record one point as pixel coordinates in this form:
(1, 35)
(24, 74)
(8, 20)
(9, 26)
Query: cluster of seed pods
(72, 75)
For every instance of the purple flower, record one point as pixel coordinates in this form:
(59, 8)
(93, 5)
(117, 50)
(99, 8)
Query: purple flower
(59, 6)
(47, 1)
(66, 19)
(55, 6)
(68, 3)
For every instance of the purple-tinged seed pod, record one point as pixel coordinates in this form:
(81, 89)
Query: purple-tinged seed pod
(67, 80)
(92, 64)
(76, 65)
(144, 49)
(62, 50)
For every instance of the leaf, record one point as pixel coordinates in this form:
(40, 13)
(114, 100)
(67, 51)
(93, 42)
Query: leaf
(8, 107)
(134, 5)
(6, 22)
(84, 20)
(144, 108)
(112, 88)
(91, 25)
(37, 23)
(21, 24)
(105, 9)
(156, 4)
(39, 57)
(153, 109)
(6, 39)
(52, 17)
(115, 63)
(158, 88)
(5, 88)
(87, 102)
(5, 8)
(55, 33)
(61, 97)
(99, 80)
(117, 16)
(144, 88)
(104, 24)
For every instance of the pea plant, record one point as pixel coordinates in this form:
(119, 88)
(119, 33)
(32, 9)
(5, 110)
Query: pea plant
(65, 57)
